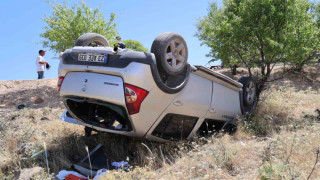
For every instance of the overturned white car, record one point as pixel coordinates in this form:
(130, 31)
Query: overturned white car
(155, 95)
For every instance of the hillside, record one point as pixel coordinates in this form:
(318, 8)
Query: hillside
(29, 92)
(279, 141)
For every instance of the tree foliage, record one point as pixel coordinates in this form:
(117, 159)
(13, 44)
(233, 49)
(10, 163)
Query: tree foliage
(135, 45)
(304, 36)
(67, 23)
(260, 33)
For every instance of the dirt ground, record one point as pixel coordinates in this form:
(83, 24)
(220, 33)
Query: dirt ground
(35, 94)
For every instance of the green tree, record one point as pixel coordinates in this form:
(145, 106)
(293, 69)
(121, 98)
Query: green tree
(304, 43)
(67, 23)
(134, 45)
(259, 33)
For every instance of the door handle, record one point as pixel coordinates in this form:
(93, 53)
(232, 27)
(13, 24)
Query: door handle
(212, 110)
(177, 103)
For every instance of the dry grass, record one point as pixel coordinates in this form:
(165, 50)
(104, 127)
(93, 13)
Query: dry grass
(278, 141)
(283, 107)
(23, 135)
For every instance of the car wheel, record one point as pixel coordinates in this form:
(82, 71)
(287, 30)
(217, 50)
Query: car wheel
(171, 52)
(249, 93)
(90, 39)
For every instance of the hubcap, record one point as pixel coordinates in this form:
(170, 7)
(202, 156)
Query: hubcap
(176, 54)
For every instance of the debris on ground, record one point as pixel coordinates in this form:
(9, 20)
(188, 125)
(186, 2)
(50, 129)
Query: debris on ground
(100, 173)
(70, 175)
(21, 106)
(28, 173)
(94, 165)
(97, 161)
(119, 164)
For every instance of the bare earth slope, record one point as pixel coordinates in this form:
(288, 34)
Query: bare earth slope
(29, 93)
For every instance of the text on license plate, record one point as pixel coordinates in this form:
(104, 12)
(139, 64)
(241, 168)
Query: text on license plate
(91, 57)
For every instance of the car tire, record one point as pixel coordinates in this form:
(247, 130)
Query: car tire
(249, 94)
(88, 38)
(171, 53)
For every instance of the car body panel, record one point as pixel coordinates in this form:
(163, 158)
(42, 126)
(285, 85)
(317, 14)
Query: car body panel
(225, 104)
(151, 108)
(204, 99)
(92, 85)
(130, 74)
(65, 118)
(193, 100)
(215, 79)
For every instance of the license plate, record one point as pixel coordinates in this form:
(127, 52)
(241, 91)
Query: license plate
(91, 58)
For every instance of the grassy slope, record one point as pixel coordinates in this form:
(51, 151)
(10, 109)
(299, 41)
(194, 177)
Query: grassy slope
(279, 141)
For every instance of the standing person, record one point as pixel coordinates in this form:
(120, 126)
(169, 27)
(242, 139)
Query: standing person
(41, 63)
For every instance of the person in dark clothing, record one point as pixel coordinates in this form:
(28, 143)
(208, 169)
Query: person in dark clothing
(120, 43)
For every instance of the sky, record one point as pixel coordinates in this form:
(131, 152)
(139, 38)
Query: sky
(142, 20)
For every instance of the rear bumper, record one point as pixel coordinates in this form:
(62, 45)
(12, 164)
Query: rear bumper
(64, 117)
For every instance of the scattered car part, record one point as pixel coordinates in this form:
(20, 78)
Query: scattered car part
(66, 117)
(21, 106)
(98, 161)
(64, 175)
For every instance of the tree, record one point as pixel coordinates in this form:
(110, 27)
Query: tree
(214, 32)
(305, 44)
(66, 24)
(259, 33)
(135, 45)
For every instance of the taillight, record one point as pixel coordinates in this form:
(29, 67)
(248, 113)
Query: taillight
(134, 97)
(60, 80)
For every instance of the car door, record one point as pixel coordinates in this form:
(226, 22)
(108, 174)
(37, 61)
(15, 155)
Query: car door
(194, 99)
(225, 103)
(185, 111)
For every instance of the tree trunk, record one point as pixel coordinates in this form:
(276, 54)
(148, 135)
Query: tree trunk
(299, 67)
(263, 80)
(234, 70)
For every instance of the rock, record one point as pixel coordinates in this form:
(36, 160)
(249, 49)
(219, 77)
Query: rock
(28, 173)
(44, 118)
(13, 117)
(7, 103)
(37, 100)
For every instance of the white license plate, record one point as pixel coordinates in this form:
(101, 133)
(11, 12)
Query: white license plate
(91, 57)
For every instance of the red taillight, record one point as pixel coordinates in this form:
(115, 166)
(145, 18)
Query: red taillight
(60, 80)
(134, 97)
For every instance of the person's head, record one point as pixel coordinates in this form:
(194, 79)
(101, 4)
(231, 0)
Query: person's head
(118, 38)
(42, 52)
(60, 54)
